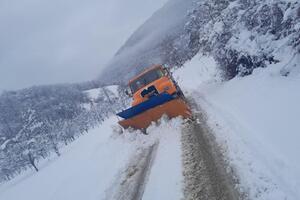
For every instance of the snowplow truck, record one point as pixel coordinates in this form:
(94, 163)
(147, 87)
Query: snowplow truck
(154, 93)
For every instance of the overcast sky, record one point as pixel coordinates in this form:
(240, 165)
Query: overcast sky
(55, 41)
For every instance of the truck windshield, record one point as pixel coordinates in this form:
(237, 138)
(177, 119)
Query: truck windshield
(145, 79)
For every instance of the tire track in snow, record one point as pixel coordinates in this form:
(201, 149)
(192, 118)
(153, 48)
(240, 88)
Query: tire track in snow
(131, 183)
(204, 168)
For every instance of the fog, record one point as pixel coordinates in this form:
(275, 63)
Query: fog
(46, 42)
(147, 46)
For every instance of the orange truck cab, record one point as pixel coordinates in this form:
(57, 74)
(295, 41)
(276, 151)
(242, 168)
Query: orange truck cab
(155, 93)
(154, 80)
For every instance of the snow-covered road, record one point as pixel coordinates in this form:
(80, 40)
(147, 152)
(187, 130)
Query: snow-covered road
(205, 169)
(253, 122)
(91, 168)
(86, 166)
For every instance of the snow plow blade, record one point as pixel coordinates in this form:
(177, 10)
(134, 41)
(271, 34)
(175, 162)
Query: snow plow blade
(142, 115)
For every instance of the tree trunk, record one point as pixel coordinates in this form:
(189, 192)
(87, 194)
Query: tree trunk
(31, 160)
(56, 150)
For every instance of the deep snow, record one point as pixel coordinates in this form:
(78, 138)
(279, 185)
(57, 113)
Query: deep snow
(256, 121)
(86, 166)
(89, 167)
(165, 181)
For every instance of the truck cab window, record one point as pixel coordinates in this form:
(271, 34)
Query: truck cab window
(146, 79)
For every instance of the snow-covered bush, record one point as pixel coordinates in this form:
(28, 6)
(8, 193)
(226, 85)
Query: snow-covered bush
(240, 35)
(37, 121)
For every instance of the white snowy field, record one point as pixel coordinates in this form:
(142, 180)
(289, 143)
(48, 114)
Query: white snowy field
(89, 167)
(256, 121)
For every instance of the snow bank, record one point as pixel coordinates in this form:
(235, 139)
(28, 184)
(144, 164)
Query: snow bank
(85, 168)
(165, 181)
(256, 120)
(200, 70)
(88, 168)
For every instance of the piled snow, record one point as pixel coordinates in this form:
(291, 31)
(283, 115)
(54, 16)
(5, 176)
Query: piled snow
(89, 167)
(86, 166)
(256, 121)
(165, 181)
(201, 69)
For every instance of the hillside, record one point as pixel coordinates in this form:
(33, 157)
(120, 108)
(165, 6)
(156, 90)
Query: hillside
(37, 122)
(239, 34)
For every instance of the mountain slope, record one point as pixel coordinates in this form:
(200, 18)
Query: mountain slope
(240, 35)
(144, 47)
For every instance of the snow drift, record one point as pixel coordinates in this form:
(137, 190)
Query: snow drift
(255, 119)
(90, 167)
